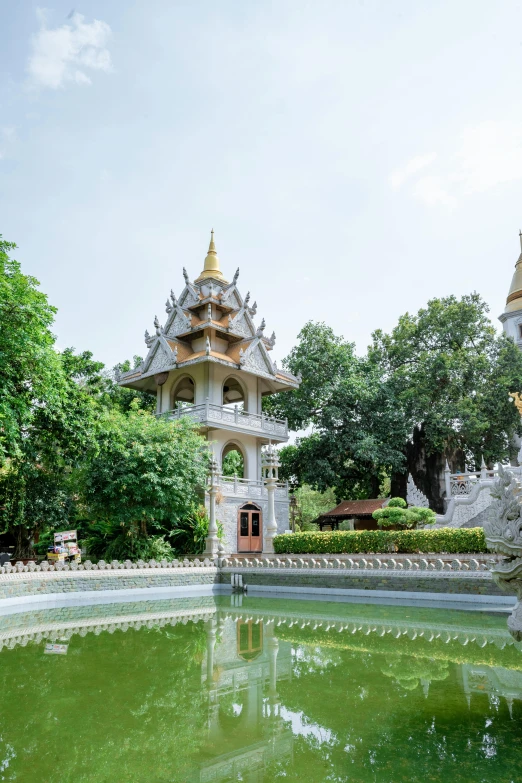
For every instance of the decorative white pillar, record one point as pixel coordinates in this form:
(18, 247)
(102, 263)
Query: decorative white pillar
(212, 547)
(447, 481)
(270, 473)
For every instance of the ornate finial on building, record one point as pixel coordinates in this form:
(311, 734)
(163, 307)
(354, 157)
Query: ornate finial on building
(209, 310)
(272, 340)
(173, 298)
(520, 237)
(158, 326)
(261, 328)
(168, 307)
(148, 339)
(253, 310)
(247, 300)
(242, 358)
(236, 275)
(185, 275)
(207, 350)
(211, 267)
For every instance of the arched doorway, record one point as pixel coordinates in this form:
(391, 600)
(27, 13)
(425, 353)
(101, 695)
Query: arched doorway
(249, 528)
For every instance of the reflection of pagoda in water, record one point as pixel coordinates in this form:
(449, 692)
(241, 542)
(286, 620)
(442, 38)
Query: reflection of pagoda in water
(245, 731)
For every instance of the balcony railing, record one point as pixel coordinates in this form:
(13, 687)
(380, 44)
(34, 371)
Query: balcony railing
(233, 417)
(461, 484)
(231, 486)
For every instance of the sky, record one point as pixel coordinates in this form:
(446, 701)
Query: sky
(355, 157)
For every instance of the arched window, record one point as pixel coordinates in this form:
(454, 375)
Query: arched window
(184, 392)
(233, 461)
(233, 392)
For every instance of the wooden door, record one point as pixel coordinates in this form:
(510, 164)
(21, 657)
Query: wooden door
(249, 529)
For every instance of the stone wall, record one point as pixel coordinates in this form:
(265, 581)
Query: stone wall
(17, 585)
(470, 584)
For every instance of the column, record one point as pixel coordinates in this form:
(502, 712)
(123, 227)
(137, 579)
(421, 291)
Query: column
(270, 473)
(212, 538)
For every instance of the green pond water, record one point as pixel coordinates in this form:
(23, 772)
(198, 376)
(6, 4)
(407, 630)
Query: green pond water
(206, 689)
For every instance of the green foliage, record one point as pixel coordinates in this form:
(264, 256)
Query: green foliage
(358, 434)
(398, 513)
(189, 536)
(28, 361)
(233, 464)
(38, 483)
(144, 478)
(311, 504)
(397, 503)
(451, 374)
(442, 540)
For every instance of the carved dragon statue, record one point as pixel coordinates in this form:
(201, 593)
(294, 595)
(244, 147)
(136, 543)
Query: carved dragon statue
(503, 531)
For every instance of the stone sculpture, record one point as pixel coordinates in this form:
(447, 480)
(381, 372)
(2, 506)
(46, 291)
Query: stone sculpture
(414, 496)
(504, 536)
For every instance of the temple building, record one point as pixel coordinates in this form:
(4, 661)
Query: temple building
(511, 318)
(211, 362)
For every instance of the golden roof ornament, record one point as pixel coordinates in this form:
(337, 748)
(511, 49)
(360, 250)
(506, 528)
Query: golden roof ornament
(514, 299)
(211, 267)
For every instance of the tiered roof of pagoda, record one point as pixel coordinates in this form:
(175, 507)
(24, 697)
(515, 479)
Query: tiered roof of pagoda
(213, 311)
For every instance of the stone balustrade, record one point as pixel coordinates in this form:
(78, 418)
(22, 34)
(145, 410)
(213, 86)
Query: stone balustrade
(101, 565)
(476, 565)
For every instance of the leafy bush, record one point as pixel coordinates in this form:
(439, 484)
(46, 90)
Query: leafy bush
(443, 540)
(111, 543)
(396, 513)
(189, 536)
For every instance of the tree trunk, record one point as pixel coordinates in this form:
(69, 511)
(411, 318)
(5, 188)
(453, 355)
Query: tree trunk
(427, 470)
(23, 545)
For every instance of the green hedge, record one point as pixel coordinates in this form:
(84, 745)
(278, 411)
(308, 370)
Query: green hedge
(443, 540)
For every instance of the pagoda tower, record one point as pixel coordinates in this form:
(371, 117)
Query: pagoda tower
(511, 318)
(212, 363)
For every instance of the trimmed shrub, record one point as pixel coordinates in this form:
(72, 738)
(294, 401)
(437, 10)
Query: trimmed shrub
(444, 540)
(397, 503)
(396, 513)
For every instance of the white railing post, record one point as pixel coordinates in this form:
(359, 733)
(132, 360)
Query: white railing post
(206, 409)
(236, 413)
(235, 483)
(270, 473)
(483, 469)
(447, 480)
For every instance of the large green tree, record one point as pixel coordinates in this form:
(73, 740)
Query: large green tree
(144, 479)
(28, 361)
(39, 481)
(451, 374)
(435, 389)
(356, 429)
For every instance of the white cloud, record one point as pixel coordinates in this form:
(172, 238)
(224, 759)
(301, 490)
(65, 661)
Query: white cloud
(61, 55)
(484, 157)
(399, 177)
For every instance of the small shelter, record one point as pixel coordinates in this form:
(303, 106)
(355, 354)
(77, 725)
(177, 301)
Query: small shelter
(357, 512)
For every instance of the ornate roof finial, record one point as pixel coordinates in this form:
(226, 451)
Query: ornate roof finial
(520, 237)
(211, 267)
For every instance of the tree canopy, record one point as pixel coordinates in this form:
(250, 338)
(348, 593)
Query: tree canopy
(435, 388)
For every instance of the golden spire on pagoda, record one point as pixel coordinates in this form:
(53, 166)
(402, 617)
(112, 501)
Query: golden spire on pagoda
(211, 266)
(514, 300)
